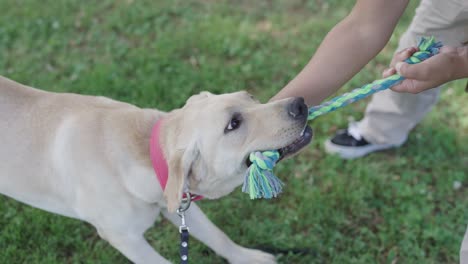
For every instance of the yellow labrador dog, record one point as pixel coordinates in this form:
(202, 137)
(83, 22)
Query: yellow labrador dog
(87, 157)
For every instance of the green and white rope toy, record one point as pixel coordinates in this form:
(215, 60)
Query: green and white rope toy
(260, 182)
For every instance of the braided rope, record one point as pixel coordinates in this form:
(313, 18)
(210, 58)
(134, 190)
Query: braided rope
(260, 181)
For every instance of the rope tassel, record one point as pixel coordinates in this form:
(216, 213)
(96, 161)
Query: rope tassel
(261, 182)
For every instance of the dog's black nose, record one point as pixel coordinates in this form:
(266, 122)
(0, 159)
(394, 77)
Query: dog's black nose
(297, 109)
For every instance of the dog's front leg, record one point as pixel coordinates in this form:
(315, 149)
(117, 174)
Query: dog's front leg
(133, 246)
(123, 227)
(205, 231)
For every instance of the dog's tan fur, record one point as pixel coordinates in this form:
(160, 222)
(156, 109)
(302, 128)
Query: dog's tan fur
(88, 157)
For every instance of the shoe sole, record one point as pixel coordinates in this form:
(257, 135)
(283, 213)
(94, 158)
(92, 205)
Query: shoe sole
(356, 152)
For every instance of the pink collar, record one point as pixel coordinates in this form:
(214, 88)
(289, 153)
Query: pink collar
(157, 158)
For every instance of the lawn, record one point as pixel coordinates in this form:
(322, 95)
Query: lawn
(398, 206)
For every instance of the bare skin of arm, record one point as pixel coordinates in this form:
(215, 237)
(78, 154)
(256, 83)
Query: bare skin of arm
(346, 49)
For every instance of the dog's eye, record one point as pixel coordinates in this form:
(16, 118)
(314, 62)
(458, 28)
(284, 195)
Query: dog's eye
(234, 123)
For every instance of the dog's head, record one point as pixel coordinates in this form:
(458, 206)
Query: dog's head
(208, 141)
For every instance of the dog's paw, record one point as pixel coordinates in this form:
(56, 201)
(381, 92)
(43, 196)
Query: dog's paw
(253, 256)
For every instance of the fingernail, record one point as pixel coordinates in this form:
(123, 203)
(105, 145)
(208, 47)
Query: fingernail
(386, 72)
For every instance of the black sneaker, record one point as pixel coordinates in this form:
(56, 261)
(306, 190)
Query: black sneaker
(349, 144)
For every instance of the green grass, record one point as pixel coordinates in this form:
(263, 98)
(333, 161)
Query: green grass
(397, 206)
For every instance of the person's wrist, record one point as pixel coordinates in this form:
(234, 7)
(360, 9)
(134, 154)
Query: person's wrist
(461, 66)
(463, 52)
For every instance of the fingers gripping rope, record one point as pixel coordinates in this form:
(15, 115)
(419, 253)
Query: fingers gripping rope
(260, 181)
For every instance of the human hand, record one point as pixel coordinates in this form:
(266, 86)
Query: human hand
(449, 64)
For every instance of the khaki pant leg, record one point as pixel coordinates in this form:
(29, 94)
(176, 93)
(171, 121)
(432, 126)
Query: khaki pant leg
(464, 249)
(390, 116)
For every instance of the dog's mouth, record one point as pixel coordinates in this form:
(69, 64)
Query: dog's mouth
(303, 140)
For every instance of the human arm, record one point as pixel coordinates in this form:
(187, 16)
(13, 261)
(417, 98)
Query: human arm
(346, 49)
(450, 64)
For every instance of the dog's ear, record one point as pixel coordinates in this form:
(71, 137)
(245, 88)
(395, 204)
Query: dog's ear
(199, 96)
(180, 164)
